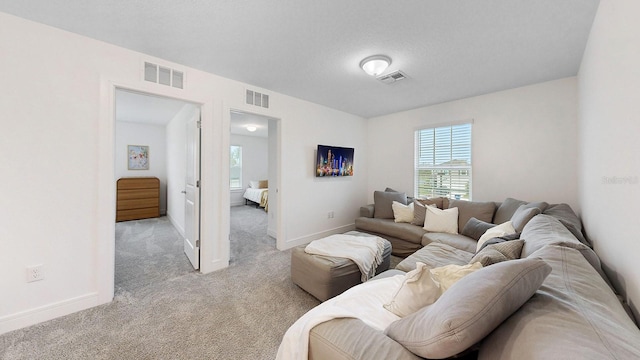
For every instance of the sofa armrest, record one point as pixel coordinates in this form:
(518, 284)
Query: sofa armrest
(367, 211)
(350, 338)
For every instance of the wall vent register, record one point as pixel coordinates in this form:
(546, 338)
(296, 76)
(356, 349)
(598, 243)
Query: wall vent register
(257, 99)
(163, 75)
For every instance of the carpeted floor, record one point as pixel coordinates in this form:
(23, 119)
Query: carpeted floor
(165, 310)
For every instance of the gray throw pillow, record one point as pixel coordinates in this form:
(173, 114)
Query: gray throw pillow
(383, 201)
(500, 239)
(470, 309)
(506, 210)
(419, 211)
(523, 214)
(482, 211)
(495, 253)
(475, 228)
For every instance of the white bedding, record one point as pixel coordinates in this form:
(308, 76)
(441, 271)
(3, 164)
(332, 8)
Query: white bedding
(362, 302)
(254, 195)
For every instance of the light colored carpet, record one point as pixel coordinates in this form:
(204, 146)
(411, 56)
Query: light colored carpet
(165, 310)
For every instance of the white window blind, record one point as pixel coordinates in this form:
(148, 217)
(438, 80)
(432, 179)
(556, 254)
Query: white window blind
(235, 171)
(443, 162)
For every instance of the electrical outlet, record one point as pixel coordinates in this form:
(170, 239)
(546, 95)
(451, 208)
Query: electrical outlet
(35, 273)
(330, 215)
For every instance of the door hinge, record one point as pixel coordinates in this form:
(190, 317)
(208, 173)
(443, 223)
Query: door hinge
(198, 183)
(199, 124)
(198, 243)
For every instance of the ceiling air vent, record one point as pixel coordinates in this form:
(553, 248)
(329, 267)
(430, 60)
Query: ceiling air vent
(257, 99)
(163, 75)
(392, 77)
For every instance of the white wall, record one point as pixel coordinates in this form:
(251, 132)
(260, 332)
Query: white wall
(609, 84)
(153, 136)
(524, 143)
(57, 146)
(255, 162)
(274, 165)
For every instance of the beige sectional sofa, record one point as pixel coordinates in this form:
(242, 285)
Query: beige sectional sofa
(573, 314)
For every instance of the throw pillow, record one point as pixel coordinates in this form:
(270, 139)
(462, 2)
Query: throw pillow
(402, 213)
(423, 286)
(496, 231)
(523, 214)
(254, 184)
(417, 291)
(382, 203)
(437, 220)
(500, 239)
(506, 210)
(467, 209)
(419, 211)
(448, 275)
(263, 184)
(495, 253)
(475, 228)
(470, 309)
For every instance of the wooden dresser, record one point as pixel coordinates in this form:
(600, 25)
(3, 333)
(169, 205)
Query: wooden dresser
(138, 198)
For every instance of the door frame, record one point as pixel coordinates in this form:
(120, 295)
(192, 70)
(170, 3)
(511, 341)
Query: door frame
(106, 195)
(279, 235)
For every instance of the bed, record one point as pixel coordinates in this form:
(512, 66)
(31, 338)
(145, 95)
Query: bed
(259, 196)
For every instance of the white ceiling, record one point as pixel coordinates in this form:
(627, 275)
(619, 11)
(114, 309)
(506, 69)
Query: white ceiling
(147, 109)
(240, 121)
(449, 49)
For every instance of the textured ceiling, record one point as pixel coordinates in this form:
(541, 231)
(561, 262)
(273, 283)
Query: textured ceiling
(449, 49)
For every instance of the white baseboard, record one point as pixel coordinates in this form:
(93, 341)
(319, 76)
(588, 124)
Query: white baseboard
(175, 225)
(319, 235)
(47, 312)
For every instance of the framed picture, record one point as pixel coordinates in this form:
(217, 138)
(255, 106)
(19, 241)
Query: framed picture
(138, 157)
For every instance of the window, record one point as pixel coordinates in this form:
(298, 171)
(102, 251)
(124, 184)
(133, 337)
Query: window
(443, 162)
(235, 171)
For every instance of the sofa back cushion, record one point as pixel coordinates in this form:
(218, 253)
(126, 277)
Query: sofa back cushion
(506, 210)
(470, 309)
(574, 315)
(382, 203)
(523, 215)
(569, 219)
(482, 211)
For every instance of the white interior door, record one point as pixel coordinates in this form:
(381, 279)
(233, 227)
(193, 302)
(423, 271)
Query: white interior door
(192, 192)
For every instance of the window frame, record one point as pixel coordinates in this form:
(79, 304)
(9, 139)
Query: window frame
(231, 186)
(453, 147)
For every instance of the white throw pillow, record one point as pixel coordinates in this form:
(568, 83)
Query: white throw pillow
(423, 286)
(417, 291)
(402, 213)
(437, 220)
(496, 231)
(254, 184)
(449, 274)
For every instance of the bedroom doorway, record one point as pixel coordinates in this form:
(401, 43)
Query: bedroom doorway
(154, 248)
(253, 179)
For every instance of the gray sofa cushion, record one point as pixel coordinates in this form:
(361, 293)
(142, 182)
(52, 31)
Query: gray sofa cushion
(367, 211)
(475, 228)
(456, 240)
(495, 253)
(467, 209)
(382, 203)
(348, 339)
(435, 255)
(403, 231)
(470, 309)
(573, 315)
(569, 219)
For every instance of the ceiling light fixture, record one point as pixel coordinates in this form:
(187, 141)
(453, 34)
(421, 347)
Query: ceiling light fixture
(251, 128)
(375, 65)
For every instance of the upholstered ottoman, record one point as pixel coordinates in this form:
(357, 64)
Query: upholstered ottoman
(325, 277)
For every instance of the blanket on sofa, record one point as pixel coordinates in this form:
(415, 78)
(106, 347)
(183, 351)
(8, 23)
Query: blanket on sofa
(362, 302)
(364, 251)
